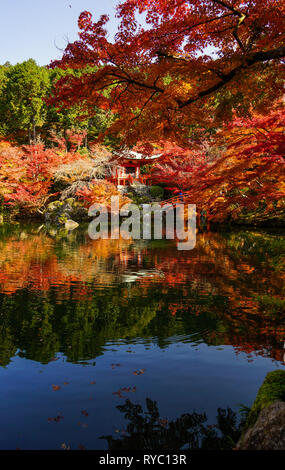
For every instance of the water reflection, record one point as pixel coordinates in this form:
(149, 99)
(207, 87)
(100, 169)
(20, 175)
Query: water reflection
(67, 293)
(147, 430)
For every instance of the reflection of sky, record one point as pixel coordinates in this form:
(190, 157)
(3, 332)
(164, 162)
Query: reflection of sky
(182, 378)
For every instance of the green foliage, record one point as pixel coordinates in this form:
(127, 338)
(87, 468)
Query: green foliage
(271, 305)
(272, 389)
(138, 199)
(147, 430)
(26, 111)
(21, 101)
(65, 311)
(3, 77)
(156, 192)
(61, 119)
(58, 212)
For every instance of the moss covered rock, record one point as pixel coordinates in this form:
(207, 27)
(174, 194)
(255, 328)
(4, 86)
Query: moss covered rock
(265, 425)
(59, 212)
(272, 389)
(268, 432)
(71, 224)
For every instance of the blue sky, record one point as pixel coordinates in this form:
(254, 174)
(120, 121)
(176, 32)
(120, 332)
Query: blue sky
(33, 28)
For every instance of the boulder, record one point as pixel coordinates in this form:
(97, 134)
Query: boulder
(71, 225)
(265, 425)
(268, 433)
(58, 213)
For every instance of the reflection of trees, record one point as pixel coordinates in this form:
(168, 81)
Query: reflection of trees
(38, 262)
(77, 328)
(146, 430)
(237, 286)
(68, 294)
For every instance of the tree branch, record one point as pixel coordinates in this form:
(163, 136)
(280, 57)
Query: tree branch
(229, 7)
(248, 62)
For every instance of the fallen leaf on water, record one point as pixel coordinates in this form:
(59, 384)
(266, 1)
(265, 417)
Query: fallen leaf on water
(139, 372)
(56, 419)
(124, 390)
(56, 387)
(129, 389)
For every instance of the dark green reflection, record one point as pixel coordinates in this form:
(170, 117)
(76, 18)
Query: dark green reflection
(147, 430)
(66, 293)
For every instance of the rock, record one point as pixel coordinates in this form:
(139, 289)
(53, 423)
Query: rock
(23, 236)
(268, 433)
(71, 225)
(60, 212)
(140, 189)
(265, 425)
(122, 189)
(52, 232)
(52, 206)
(138, 193)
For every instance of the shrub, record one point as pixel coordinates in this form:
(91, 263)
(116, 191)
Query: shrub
(156, 192)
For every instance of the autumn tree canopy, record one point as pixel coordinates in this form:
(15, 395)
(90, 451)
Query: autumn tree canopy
(175, 65)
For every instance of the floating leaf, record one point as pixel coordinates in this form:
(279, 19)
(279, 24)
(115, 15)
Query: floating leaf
(139, 372)
(56, 387)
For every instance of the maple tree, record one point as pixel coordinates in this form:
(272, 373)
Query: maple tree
(173, 66)
(101, 192)
(239, 174)
(248, 178)
(90, 166)
(27, 172)
(260, 135)
(25, 114)
(178, 166)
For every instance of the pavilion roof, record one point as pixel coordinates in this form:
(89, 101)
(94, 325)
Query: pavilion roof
(127, 155)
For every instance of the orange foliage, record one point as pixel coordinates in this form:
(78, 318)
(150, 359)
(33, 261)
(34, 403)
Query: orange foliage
(250, 175)
(26, 173)
(195, 62)
(182, 284)
(101, 192)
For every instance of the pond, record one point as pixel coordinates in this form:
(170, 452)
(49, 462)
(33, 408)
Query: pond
(124, 344)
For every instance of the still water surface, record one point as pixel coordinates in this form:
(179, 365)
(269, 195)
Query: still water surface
(90, 331)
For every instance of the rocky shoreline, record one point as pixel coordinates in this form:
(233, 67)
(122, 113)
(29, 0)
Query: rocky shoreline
(265, 425)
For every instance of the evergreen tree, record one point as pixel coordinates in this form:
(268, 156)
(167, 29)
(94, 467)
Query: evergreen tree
(22, 106)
